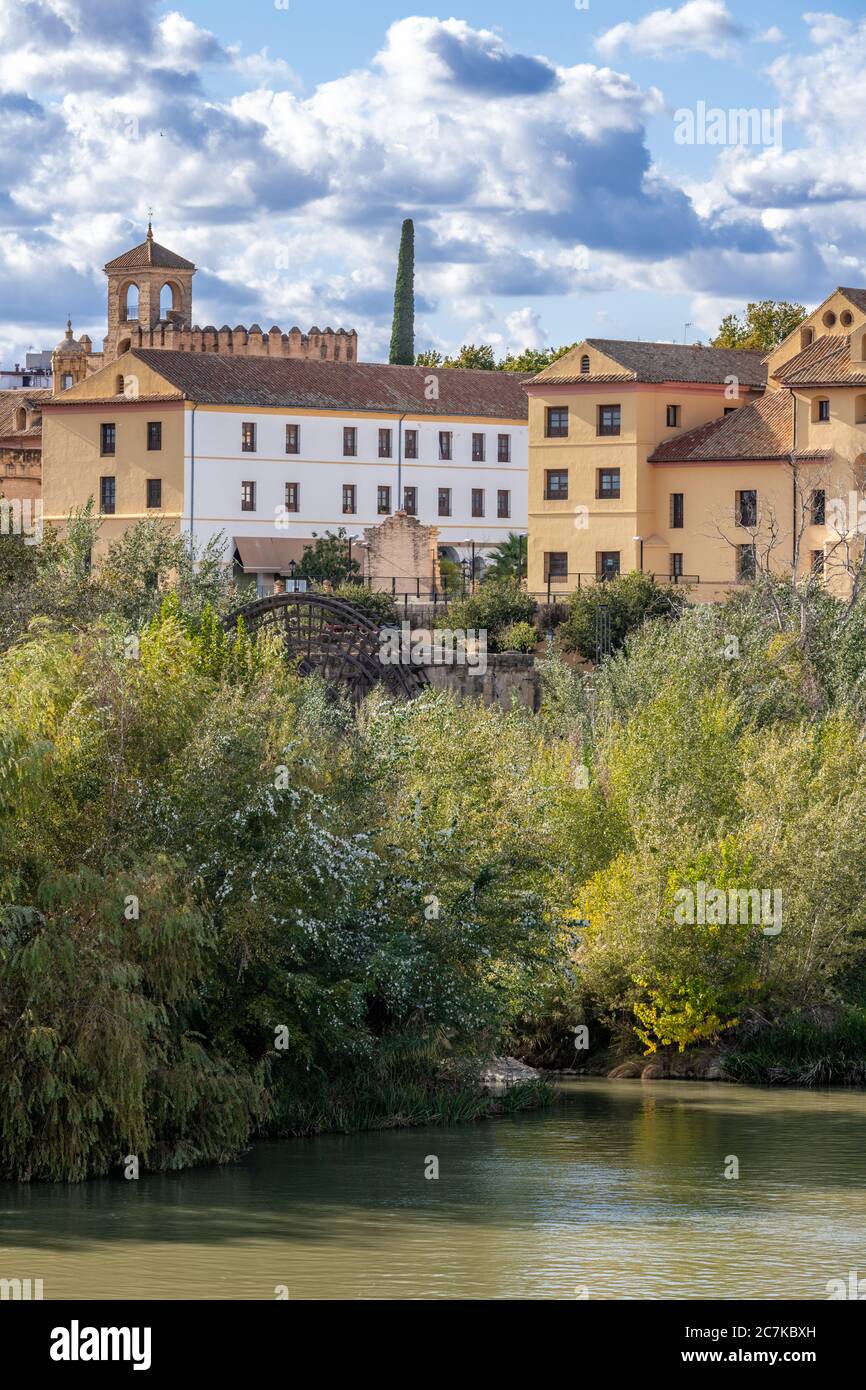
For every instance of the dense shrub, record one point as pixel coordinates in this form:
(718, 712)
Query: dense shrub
(630, 600)
(496, 606)
(519, 637)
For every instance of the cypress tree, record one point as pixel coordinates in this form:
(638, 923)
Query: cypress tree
(403, 330)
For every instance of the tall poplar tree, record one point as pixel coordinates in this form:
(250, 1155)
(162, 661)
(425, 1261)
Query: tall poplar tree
(403, 330)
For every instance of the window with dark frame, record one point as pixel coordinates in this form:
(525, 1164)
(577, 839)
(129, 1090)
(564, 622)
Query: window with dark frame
(154, 435)
(503, 503)
(677, 510)
(445, 444)
(556, 485)
(478, 501)
(556, 423)
(607, 564)
(584, 365)
(555, 564)
(503, 448)
(818, 507)
(248, 497)
(672, 418)
(383, 500)
(410, 443)
(384, 444)
(817, 561)
(478, 448)
(729, 409)
(747, 507)
(107, 439)
(824, 410)
(293, 497)
(248, 438)
(107, 495)
(410, 501)
(676, 564)
(350, 441)
(607, 483)
(746, 565)
(154, 493)
(293, 439)
(350, 495)
(444, 501)
(609, 419)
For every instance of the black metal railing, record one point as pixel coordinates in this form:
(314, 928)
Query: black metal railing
(560, 585)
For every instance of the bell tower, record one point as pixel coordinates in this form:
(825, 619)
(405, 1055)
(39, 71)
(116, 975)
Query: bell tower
(148, 287)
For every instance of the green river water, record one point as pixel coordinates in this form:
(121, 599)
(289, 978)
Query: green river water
(619, 1190)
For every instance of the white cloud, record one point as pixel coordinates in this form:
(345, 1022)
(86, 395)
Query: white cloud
(699, 26)
(827, 28)
(772, 35)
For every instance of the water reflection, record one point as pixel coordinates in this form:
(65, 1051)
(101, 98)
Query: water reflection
(620, 1189)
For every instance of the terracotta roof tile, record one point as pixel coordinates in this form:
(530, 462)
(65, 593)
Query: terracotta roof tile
(762, 430)
(214, 378)
(149, 253)
(658, 362)
(825, 362)
(10, 401)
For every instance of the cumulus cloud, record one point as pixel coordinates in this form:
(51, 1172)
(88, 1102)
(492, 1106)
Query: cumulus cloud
(698, 26)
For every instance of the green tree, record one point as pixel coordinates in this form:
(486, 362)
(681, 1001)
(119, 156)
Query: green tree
(429, 358)
(480, 357)
(763, 325)
(508, 560)
(630, 600)
(533, 359)
(403, 328)
(327, 560)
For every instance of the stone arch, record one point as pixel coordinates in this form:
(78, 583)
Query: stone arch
(170, 299)
(129, 301)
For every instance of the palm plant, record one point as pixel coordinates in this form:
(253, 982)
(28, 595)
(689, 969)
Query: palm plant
(508, 560)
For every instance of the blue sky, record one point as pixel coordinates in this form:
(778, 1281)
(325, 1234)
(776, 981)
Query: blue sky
(534, 145)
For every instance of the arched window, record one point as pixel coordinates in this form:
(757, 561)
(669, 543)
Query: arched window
(806, 337)
(20, 419)
(118, 386)
(584, 365)
(169, 300)
(129, 302)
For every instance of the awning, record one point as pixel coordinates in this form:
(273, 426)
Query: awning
(272, 554)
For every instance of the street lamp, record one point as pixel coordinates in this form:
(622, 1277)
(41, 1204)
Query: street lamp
(464, 565)
(471, 542)
(640, 540)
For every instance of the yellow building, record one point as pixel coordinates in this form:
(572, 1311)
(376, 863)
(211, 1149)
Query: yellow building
(676, 459)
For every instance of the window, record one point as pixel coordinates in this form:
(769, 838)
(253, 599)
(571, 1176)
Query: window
(478, 448)
(503, 448)
(607, 483)
(350, 498)
(154, 434)
(745, 562)
(503, 503)
(66, 381)
(444, 501)
(818, 507)
(556, 484)
(248, 497)
(107, 495)
(107, 438)
(672, 419)
(411, 442)
(350, 441)
(445, 444)
(823, 410)
(383, 500)
(806, 337)
(676, 565)
(248, 438)
(607, 564)
(816, 558)
(557, 422)
(729, 409)
(677, 510)
(478, 501)
(154, 492)
(555, 564)
(384, 444)
(410, 501)
(584, 365)
(747, 508)
(293, 497)
(293, 439)
(119, 386)
(608, 419)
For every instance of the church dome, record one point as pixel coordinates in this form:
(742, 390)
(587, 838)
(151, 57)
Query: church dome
(69, 344)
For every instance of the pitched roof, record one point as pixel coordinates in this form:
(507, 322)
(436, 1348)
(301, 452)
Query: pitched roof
(855, 296)
(214, 378)
(658, 362)
(10, 401)
(762, 430)
(825, 362)
(149, 253)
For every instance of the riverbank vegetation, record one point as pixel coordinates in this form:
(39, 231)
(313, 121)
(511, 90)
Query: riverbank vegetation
(233, 905)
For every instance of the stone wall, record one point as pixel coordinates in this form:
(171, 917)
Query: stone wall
(402, 549)
(510, 678)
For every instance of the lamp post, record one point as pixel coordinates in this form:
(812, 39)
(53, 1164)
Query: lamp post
(470, 541)
(639, 539)
(520, 557)
(464, 565)
(293, 565)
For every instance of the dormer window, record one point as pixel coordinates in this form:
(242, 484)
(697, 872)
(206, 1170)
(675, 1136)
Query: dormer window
(807, 336)
(584, 365)
(846, 318)
(829, 319)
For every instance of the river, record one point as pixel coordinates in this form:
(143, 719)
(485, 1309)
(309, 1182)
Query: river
(618, 1192)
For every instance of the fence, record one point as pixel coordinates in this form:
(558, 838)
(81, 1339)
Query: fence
(562, 585)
